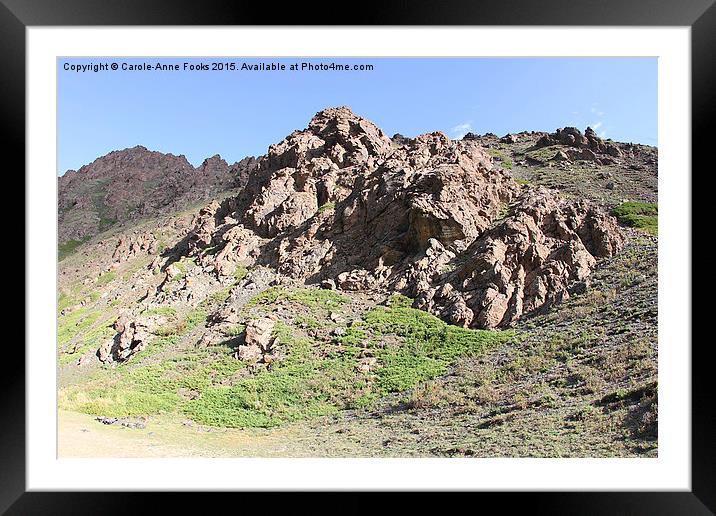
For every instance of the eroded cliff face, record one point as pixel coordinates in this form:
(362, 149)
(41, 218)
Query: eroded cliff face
(343, 204)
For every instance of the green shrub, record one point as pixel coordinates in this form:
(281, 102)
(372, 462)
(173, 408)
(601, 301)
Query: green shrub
(543, 154)
(399, 301)
(166, 311)
(430, 345)
(641, 215)
(89, 342)
(183, 265)
(233, 331)
(75, 323)
(310, 297)
(195, 317)
(139, 388)
(65, 301)
(326, 207)
(240, 273)
(222, 295)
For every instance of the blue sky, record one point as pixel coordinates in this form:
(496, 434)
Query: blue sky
(239, 113)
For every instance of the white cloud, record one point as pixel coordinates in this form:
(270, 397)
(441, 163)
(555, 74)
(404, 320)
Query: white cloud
(595, 127)
(461, 130)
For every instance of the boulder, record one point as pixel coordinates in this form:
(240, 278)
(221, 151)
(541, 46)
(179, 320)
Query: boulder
(134, 244)
(591, 146)
(132, 337)
(259, 333)
(328, 284)
(583, 154)
(259, 343)
(560, 155)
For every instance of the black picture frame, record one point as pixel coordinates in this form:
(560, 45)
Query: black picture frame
(699, 15)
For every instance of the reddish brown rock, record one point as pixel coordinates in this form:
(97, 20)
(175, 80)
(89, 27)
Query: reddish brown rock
(131, 245)
(525, 263)
(131, 338)
(424, 216)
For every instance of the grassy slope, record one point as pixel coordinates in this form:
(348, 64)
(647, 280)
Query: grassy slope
(320, 374)
(641, 215)
(608, 184)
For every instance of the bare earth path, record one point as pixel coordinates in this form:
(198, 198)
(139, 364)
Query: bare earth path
(80, 435)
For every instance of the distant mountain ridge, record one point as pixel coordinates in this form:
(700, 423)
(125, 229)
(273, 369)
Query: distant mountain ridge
(135, 183)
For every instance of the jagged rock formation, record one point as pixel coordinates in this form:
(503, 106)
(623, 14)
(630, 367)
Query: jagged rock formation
(522, 264)
(131, 338)
(573, 137)
(209, 306)
(129, 246)
(429, 217)
(135, 183)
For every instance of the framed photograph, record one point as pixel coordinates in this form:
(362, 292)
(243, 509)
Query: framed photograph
(438, 249)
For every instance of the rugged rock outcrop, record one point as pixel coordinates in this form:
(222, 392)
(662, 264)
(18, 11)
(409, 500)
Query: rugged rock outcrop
(259, 342)
(129, 246)
(573, 137)
(426, 216)
(132, 337)
(523, 264)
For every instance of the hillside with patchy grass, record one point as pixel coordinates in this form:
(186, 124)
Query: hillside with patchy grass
(369, 296)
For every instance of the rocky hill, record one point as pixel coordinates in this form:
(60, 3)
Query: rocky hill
(578, 163)
(132, 184)
(383, 282)
(429, 218)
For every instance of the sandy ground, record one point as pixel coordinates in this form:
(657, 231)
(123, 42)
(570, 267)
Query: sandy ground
(80, 435)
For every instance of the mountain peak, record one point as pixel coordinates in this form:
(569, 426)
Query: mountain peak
(134, 183)
(341, 123)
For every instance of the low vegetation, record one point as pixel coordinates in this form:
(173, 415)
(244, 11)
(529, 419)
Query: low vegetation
(81, 331)
(641, 215)
(390, 349)
(106, 278)
(352, 372)
(309, 297)
(151, 388)
(66, 249)
(543, 154)
(329, 206)
(501, 157)
(240, 273)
